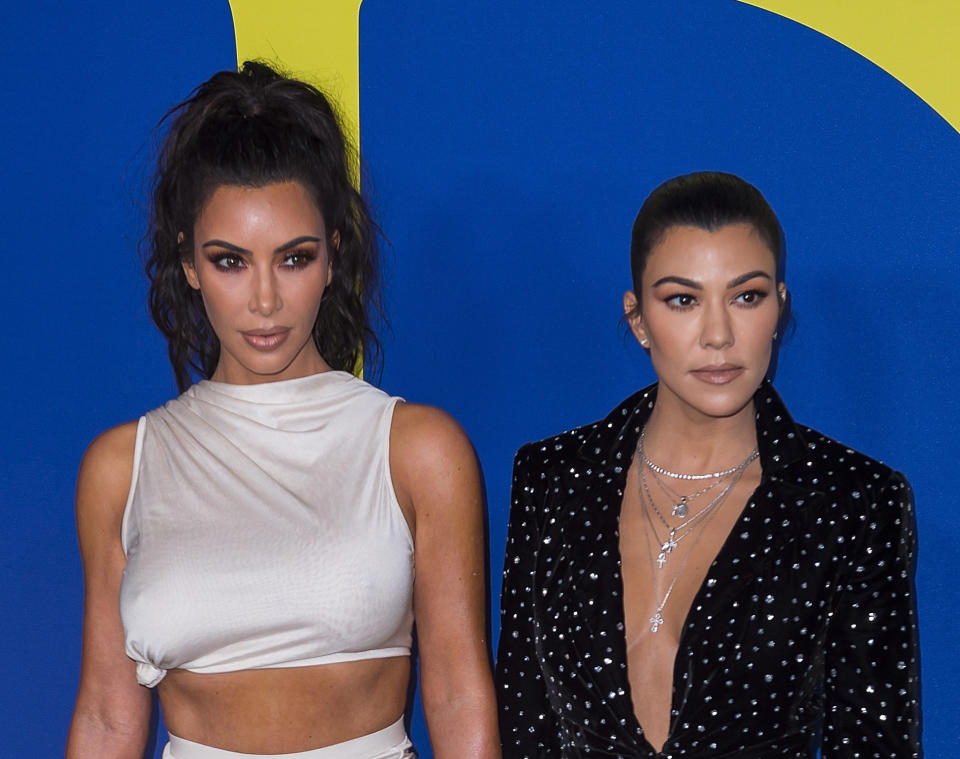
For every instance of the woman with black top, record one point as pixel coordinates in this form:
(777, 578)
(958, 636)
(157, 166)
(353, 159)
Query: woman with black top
(697, 575)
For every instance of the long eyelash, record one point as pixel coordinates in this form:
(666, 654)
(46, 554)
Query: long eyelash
(219, 259)
(759, 297)
(671, 301)
(306, 257)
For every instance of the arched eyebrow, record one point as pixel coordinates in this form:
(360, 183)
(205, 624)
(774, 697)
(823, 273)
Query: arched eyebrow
(737, 281)
(297, 241)
(694, 285)
(682, 281)
(282, 249)
(226, 245)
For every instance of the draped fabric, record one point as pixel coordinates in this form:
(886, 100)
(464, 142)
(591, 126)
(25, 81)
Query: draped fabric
(262, 530)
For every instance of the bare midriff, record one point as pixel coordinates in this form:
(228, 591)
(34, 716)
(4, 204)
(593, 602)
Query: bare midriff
(277, 711)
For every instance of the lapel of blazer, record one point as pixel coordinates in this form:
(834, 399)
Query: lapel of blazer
(587, 561)
(790, 482)
(596, 476)
(776, 515)
(595, 482)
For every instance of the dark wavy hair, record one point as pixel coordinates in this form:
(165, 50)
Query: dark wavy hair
(706, 200)
(253, 128)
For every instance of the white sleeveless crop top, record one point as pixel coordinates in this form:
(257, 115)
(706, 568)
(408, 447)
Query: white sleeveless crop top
(262, 530)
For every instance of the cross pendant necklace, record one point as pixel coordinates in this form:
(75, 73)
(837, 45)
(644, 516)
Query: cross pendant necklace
(656, 621)
(668, 545)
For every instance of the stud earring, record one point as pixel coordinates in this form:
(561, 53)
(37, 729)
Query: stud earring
(644, 343)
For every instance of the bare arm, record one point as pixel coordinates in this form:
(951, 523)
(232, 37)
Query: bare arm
(435, 472)
(112, 714)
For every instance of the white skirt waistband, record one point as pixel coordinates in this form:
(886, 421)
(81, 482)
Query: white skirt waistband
(390, 743)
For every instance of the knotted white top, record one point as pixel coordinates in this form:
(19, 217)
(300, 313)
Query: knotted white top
(262, 530)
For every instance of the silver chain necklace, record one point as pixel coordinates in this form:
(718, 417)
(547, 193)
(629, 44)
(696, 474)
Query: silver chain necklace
(656, 621)
(680, 502)
(682, 530)
(680, 476)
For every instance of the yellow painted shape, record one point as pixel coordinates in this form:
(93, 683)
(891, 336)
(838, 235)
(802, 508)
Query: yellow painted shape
(314, 40)
(914, 41)
(317, 41)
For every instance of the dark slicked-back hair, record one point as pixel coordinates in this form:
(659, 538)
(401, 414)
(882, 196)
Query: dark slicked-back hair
(254, 128)
(706, 200)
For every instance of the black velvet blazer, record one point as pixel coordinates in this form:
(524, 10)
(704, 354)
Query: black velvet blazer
(802, 635)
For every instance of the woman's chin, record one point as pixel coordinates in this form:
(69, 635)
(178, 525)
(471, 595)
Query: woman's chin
(717, 401)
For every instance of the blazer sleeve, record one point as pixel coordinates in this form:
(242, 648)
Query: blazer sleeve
(871, 675)
(527, 724)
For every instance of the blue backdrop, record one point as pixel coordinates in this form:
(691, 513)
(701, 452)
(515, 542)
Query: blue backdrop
(510, 145)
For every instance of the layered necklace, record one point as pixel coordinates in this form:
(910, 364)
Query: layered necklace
(691, 524)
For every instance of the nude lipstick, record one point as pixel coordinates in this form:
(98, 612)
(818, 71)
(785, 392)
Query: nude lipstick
(266, 339)
(718, 374)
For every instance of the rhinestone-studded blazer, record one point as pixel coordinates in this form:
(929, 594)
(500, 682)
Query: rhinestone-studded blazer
(802, 636)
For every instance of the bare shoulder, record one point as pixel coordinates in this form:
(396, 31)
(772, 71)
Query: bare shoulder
(426, 435)
(430, 453)
(106, 471)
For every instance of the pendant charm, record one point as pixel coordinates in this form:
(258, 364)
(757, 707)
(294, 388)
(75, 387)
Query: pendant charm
(680, 509)
(669, 544)
(661, 559)
(656, 621)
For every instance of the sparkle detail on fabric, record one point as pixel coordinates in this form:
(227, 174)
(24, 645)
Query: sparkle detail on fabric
(802, 633)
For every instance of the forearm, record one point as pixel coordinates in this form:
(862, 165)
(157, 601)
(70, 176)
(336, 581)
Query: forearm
(95, 737)
(463, 726)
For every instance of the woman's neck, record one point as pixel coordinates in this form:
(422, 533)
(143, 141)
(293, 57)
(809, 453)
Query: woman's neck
(684, 440)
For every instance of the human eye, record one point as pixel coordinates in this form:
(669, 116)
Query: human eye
(298, 259)
(680, 301)
(751, 298)
(227, 261)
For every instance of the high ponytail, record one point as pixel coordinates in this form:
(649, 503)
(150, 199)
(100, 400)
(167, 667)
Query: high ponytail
(253, 128)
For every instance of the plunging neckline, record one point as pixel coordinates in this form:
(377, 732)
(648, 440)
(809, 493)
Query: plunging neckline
(611, 443)
(749, 505)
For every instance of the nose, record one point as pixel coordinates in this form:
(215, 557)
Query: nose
(265, 296)
(717, 329)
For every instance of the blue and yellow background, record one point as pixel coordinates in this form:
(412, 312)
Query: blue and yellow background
(509, 146)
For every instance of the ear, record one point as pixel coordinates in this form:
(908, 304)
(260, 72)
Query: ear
(635, 318)
(782, 295)
(189, 270)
